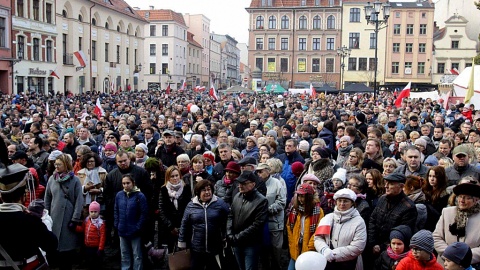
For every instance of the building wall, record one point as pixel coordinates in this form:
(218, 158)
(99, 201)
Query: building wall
(444, 9)
(199, 25)
(194, 62)
(215, 61)
(7, 74)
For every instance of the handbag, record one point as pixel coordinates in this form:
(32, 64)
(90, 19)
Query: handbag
(179, 260)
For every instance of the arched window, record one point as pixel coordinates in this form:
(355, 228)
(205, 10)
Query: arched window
(285, 22)
(80, 18)
(272, 22)
(331, 22)
(64, 13)
(106, 25)
(94, 21)
(260, 22)
(317, 22)
(118, 28)
(302, 22)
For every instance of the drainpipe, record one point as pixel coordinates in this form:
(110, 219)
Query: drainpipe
(90, 50)
(293, 48)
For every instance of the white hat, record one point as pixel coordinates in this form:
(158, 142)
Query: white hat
(303, 145)
(345, 193)
(340, 174)
(142, 146)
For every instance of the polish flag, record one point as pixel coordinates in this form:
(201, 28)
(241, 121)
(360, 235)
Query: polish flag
(82, 59)
(213, 92)
(184, 86)
(255, 105)
(313, 95)
(47, 108)
(454, 71)
(98, 109)
(404, 94)
(54, 74)
(239, 101)
(167, 91)
(323, 230)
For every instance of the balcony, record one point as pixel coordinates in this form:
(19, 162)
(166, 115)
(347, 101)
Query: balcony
(68, 59)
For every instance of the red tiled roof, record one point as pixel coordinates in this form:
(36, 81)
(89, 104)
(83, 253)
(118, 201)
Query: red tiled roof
(162, 15)
(292, 3)
(192, 41)
(119, 6)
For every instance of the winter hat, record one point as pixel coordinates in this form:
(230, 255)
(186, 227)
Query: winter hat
(311, 177)
(431, 160)
(272, 133)
(54, 155)
(303, 146)
(232, 166)
(305, 189)
(345, 138)
(94, 206)
(252, 138)
(297, 168)
(340, 174)
(111, 147)
(323, 152)
(421, 142)
(360, 117)
(254, 123)
(287, 126)
(345, 193)
(423, 239)
(459, 253)
(268, 125)
(143, 147)
(210, 155)
(403, 233)
(36, 208)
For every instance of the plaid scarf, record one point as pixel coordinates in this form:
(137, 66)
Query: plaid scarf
(317, 210)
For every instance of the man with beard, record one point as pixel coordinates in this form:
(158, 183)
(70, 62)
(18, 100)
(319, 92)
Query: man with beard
(242, 125)
(169, 151)
(461, 166)
(38, 155)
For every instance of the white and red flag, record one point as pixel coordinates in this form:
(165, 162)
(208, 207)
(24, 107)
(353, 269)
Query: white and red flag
(47, 108)
(404, 94)
(213, 92)
(82, 59)
(98, 109)
(54, 74)
(313, 95)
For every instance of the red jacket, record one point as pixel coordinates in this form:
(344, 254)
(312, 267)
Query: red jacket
(93, 237)
(409, 263)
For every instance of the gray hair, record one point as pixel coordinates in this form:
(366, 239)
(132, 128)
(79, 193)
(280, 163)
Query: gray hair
(196, 138)
(184, 157)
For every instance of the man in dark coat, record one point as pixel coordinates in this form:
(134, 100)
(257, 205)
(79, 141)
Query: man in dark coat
(71, 144)
(169, 151)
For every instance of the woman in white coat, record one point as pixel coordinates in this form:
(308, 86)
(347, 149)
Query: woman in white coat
(341, 236)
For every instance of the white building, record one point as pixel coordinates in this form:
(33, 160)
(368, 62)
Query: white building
(215, 61)
(199, 26)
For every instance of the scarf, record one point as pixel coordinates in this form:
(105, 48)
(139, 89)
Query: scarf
(227, 181)
(174, 192)
(92, 176)
(141, 160)
(315, 216)
(461, 219)
(363, 196)
(12, 207)
(62, 177)
(196, 173)
(344, 151)
(97, 222)
(135, 189)
(395, 256)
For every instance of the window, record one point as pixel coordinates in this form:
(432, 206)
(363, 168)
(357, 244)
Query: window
(259, 43)
(455, 44)
(329, 64)
(362, 63)
(408, 65)
(266, 3)
(317, 2)
(395, 67)
(330, 44)
(409, 29)
(455, 65)
(165, 50)
(331, 22)
(36, 49)
(352, 63)
(396, 29)
(302, 65)
(20, 8)
(285, 22)
(94, 21)
(153, 68)
(135, 57)
(468, 65)
(422, 47)
(283, 64)
(127, 56)
(271, 43)
(3, 33)
(316, 65)
(302, 22)
(80, 43)
(441, 68)
(259, 22)
(164, 30)
(64, 49)
(302, 44)
(284, 44)
(354, 15)
(316, 44)
(49, 51)
(354, 40)
(396, 47)
(106, 52)
(271, 65)
(317, 22)
(36, 10)
(371, 64)
(272, 22)
(80, 18)
(153, 49)
(259, 63)
(48, 13)
(64, 13)
(303, 2)
(118, 54)
(164, 68)
(106, 25)
(409, 47)
(423, 29)
(372, 40)
(397, 14)
(153, 30)
(94, 50)
(421, 68)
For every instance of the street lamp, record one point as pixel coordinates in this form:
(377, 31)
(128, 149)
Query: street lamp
(371, 15)
(343, 52)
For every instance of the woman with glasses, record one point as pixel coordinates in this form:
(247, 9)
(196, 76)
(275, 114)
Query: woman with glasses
(92, 176)
(354, 161)
(64, 202)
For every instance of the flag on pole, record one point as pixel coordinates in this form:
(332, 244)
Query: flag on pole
(47, 108)
(82, 59)
(98, 109)
(404, 94)
(239, 101)
(471, 84)
(184, 86)
(255, 105)
(167, 91)
(213, 92)
(313, 95)
(454, 71)
(54, 74)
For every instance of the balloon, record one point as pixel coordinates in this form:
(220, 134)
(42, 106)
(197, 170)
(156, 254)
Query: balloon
(310, 260)
(189, 106)
(194, 108)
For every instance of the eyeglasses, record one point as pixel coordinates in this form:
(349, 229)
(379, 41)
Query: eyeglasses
(465, 197)
(416, 250)
(125, 140)
(58, 164)
(352, 185)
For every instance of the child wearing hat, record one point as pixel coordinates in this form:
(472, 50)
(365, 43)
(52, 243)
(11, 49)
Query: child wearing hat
(398, 249)
(37, 208)
(333, 185)
(93, 228)
(457, 256)
(421, 254)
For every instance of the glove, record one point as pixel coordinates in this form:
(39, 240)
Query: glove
(100, 253)
(328, 254)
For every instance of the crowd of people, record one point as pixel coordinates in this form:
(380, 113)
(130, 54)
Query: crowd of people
(239, 180)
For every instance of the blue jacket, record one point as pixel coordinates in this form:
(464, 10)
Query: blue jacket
(203, 225)
(251, 153)
(130, 213)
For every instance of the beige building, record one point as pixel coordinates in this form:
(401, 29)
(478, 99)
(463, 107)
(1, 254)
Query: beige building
(194, 61)
(215, 61)
(295, 42)
(199, 25)
(445, 9)
(166, 49)
(110, 34)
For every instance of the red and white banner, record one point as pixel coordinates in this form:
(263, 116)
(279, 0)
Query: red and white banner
(47, 108)
(167, 91)
(184, 86)
(404, 94)
(199, 88)
(98, 109)
(82, 59)
(54, 74)
(314, 93)
(213, 92)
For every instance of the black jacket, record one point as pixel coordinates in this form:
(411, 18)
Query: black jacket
(169, 216)
(169, 156)
(70, 149)
(219, 169)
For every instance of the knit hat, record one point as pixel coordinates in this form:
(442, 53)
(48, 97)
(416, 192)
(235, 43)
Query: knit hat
(459, 253)
(303, 146)
(345, 138)
(287, 126)
(254, 123)
(403, 233)
(340, 174)
(360, 117)
(272, 133)
(421, 142)
(94, 206)
(305, 189)
(323, 152)
(142, 146)
(210, 155)
(431, 160)
(423, 239)
(297, 168)
(251, 138)
(268, 125)
(111, 147)
(345, 193)
(36, 208)
(311, 177)
(54, 155)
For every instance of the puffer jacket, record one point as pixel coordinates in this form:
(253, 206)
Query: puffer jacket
(247, 218)
(94, 237)
(203, 225)
(409, 263)
(224, 191)
(130, 213)
(277, 198)
(348, 236)
(384, 262)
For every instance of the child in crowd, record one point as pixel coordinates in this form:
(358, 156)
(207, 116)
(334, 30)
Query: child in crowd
(457, 256)
(398, 249)
(421, 254)
(333, 185)
(37, 208)
(94, 229)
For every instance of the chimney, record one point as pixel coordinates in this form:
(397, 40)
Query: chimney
(152, 7)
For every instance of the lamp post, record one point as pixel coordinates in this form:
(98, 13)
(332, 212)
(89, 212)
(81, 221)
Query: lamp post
(343, 52)
(372, 16)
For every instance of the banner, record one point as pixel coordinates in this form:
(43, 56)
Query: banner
(302, 65)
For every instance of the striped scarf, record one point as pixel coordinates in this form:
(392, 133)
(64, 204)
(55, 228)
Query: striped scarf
(317, 210)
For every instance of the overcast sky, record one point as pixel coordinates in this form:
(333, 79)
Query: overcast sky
(226, 16)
